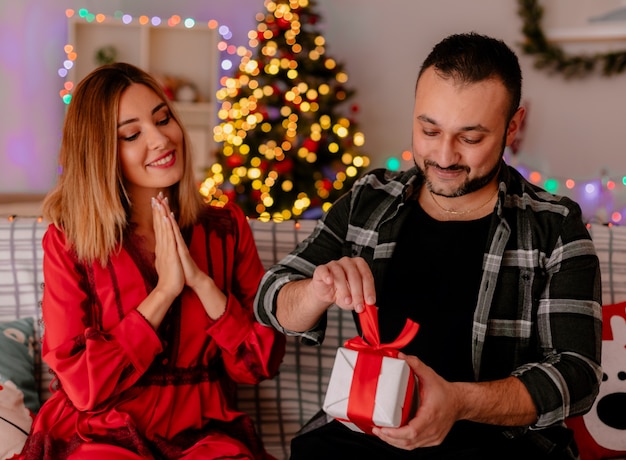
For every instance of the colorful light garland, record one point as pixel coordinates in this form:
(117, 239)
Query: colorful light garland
(223, 46)
(602, 198)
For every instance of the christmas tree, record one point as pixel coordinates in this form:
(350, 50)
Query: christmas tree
(286, 149)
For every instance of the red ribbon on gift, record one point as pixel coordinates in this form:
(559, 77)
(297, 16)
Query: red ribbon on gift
(361, 400)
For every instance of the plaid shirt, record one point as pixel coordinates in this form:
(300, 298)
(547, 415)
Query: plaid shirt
(538, 314)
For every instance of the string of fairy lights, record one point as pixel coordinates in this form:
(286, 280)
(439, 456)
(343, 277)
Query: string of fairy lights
(226, 49)
(602, 198)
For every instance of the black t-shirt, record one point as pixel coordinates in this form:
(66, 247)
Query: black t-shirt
(434, 280)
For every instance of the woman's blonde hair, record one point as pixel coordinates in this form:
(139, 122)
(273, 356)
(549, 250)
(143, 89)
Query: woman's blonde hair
(89, 201)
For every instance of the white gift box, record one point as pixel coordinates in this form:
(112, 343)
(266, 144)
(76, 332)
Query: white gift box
(391, 391)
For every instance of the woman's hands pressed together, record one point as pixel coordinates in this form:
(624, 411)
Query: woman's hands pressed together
(168, 263)
(175, 266)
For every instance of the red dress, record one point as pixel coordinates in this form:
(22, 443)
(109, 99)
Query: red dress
(165, 394)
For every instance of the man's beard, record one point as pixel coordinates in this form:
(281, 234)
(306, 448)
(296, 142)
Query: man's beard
(469, 186)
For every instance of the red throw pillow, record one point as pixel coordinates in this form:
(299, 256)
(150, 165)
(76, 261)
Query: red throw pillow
(601, 433)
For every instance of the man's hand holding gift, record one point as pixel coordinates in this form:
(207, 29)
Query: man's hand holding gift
(438, 411)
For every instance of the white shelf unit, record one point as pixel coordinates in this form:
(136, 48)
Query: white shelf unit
(172, 51)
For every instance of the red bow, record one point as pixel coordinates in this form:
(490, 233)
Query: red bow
(371, 336)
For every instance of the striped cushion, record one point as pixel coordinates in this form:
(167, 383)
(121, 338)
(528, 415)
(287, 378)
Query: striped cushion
(20, 267)
(280, 406)
(21, 280)
(610, 244)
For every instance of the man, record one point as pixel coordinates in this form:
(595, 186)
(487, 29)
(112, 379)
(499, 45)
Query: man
(501, 276)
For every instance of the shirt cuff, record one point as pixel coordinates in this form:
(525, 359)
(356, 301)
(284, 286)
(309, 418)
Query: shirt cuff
(231, 329)
(138, 339)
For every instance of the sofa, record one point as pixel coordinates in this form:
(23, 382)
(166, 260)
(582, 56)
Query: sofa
(282, 405)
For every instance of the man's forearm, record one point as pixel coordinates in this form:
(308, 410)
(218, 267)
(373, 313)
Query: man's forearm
(504, 402)
(296, 309)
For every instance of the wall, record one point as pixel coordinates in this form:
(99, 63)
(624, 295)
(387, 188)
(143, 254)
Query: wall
(33, 34)
(574, 128)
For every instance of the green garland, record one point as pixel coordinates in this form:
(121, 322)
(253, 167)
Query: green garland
(553, 58)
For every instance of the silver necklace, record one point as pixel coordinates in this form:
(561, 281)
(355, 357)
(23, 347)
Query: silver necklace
(461, 213)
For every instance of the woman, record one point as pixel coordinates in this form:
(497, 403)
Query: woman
(148, 296)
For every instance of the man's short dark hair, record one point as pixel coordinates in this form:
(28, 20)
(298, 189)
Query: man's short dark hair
(471, 58)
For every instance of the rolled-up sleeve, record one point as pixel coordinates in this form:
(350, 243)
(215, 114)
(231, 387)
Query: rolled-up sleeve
(569, 331)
